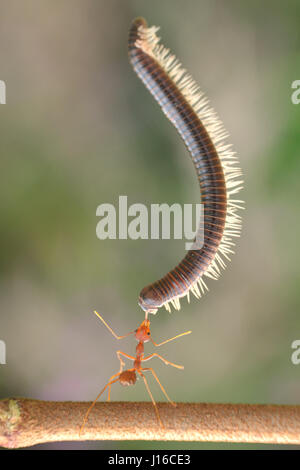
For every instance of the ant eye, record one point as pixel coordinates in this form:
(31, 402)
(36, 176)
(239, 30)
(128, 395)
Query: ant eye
(148, 333)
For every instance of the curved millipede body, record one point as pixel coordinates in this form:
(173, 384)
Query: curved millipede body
(216, 167)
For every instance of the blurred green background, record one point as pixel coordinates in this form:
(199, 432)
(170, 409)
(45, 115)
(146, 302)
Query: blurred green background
(79, 129)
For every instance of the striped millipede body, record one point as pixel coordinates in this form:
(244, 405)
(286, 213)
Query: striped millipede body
(216, 167)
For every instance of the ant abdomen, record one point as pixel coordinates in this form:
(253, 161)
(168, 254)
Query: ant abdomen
(127, 377)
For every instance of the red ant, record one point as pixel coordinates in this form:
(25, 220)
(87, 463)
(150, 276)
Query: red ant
(128, 377)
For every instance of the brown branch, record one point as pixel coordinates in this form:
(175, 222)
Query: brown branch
(25, 422)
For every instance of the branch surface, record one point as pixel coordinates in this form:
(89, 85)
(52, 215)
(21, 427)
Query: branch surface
(25, 422)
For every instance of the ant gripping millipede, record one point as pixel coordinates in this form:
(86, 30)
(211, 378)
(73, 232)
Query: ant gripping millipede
(128, 376)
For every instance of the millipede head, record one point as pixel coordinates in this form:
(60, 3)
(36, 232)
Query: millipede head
(149, 299)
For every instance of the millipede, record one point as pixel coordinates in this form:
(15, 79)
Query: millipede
(216, 166)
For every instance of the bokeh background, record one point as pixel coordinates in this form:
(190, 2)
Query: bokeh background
(79, 129)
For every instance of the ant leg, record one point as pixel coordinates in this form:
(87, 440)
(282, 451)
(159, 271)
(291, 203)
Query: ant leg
(162, 388)
(152, 399)
(110, 329)
(122, 363)
(168, 363)
(110, 382)
(171, 339)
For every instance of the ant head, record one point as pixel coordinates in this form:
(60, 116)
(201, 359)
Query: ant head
(143, 334)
